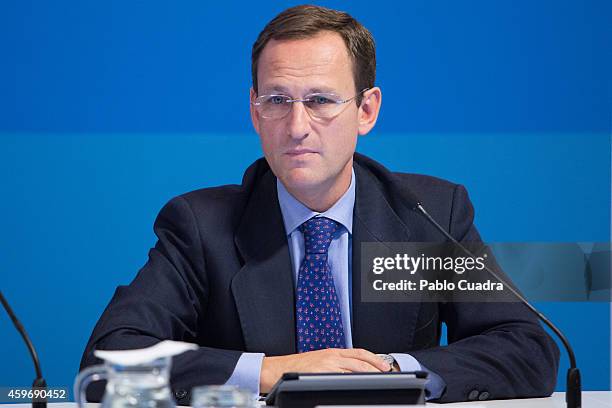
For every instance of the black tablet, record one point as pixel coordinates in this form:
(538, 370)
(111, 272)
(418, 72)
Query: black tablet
(307, 390)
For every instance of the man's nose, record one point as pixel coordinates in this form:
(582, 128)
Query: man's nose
(298, 121)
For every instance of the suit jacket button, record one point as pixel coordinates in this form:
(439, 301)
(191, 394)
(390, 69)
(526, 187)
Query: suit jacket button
(483, 396)
(473, 395)
(180, 394)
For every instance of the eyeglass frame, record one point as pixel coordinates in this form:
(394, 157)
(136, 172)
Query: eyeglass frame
(305, 99)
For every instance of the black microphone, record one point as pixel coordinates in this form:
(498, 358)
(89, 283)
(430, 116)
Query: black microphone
(39, 383)
(573, 394)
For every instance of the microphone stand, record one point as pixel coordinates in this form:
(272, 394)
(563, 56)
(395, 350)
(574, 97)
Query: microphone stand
(573, 393)
(39, 382)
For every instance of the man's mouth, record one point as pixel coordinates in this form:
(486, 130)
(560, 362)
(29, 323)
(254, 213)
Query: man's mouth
(299, 152)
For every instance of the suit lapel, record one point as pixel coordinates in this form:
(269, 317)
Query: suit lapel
(377, 326)
(263, 289)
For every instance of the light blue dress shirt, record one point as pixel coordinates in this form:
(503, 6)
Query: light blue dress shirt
(247, 371)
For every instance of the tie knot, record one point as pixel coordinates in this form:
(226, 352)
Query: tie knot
(318, 234)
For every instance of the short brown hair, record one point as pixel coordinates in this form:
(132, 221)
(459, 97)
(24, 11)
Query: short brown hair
(306, 21)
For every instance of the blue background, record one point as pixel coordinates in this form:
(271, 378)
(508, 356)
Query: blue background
(107, 110)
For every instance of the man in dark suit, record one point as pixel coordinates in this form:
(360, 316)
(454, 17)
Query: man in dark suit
(265, 276)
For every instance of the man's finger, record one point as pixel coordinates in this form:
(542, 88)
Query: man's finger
(368, 357)
(357, 366)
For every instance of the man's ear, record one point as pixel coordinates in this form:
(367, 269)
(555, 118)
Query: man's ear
(368, 110)
(254, 116)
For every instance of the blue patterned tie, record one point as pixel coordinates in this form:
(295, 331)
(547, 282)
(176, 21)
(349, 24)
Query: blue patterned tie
(318, 318)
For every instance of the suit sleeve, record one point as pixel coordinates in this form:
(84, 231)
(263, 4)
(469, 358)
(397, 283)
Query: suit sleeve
(495, 350)
(165, 301)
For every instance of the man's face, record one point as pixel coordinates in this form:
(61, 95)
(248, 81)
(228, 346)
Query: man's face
(306, 153)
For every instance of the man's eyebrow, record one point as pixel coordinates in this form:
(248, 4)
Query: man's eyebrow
(279, 89)
(323, 89)
(275, 89)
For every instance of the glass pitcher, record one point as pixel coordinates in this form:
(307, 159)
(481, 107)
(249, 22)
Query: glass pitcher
(143, 385)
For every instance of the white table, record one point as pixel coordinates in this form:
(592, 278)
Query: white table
(590, 399)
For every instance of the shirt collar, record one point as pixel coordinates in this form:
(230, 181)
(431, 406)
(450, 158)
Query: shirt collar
(295, 213)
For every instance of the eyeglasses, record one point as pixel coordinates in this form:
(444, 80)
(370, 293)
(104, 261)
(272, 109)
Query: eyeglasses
(318, 105)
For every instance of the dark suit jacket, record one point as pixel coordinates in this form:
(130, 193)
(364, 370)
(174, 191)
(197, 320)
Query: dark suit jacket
(220, 276)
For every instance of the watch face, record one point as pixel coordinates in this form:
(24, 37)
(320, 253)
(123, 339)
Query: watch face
(388, 359)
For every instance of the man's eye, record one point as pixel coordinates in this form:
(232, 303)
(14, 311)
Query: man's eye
(276, 100)
(321, 100)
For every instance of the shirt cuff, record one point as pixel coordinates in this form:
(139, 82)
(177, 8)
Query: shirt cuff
(434, 386)
(247, 372)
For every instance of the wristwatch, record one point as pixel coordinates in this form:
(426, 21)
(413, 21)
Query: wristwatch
(388, 358)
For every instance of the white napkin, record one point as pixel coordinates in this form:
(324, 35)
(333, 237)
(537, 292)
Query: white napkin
(166, 348)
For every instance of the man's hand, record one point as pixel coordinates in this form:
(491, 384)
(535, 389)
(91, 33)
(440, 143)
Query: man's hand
(320, 361)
